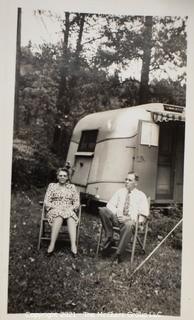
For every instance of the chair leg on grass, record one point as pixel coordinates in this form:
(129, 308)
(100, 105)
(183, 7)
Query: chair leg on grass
(40, 231)
(145, 236)
(99, 242)
(134, 243)
(78, 226)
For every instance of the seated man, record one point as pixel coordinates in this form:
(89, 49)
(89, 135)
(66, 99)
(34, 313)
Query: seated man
(122, 211)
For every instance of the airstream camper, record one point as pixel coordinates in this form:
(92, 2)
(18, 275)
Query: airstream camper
(148, 139)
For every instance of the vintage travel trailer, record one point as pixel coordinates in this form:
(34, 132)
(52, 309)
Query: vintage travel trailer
(147, 139)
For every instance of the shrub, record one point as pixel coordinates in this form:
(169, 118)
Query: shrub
(161, 225)
(35, 169)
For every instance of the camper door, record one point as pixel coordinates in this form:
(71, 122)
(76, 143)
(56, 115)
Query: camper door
(82, 170)
(146, 156)
(84, 157)
(170, 162)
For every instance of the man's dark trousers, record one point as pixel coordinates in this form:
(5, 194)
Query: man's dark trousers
(109, 220)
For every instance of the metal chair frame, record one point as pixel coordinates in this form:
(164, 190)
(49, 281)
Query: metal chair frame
(43, 235)
(137, 235)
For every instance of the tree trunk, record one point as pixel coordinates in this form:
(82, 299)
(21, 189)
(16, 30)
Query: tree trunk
(76, 65)
(17, 73)
(62, 102)
(67, 93)
(144, 83)
(79, 40)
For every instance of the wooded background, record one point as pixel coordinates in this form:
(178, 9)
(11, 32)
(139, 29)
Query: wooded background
(59, 83)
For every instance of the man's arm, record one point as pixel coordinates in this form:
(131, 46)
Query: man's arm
(113, 203)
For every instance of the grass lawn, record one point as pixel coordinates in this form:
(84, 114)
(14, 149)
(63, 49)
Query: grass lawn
(38, 284)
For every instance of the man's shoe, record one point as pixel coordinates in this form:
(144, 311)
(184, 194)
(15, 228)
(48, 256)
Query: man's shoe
(116, 258)
(107, 243)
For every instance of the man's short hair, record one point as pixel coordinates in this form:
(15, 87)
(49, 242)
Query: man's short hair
(136, 176)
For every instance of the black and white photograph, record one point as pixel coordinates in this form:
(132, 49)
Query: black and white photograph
(99, 170)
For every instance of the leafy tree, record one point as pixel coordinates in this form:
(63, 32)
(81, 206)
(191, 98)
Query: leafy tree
(156, 41)
(167, 91)
(38, 89)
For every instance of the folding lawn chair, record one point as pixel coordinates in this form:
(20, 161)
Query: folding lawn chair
(139, 236)
(45, 230)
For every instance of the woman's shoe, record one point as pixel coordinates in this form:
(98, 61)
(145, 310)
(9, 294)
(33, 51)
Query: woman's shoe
(74, 255)
(49, 254)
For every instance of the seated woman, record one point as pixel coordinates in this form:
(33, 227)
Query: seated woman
(61, 201)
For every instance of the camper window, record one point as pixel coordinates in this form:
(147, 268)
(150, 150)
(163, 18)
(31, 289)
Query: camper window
(149, 133)
(88, 141)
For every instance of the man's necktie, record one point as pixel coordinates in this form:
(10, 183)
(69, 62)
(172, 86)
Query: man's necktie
(126, 205)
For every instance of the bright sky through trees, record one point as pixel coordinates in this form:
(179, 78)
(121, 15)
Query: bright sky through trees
(46, 28)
